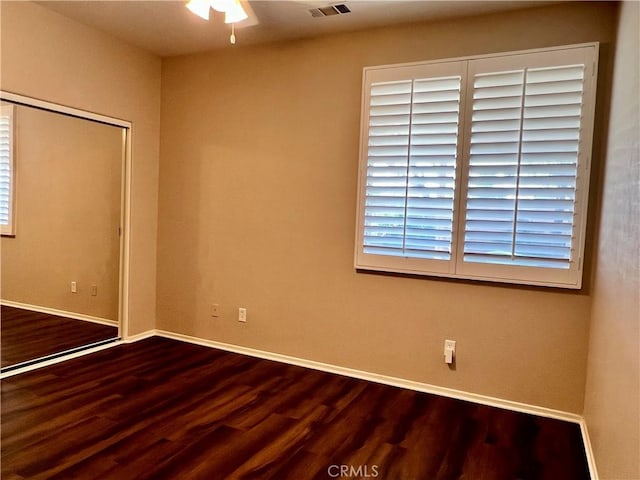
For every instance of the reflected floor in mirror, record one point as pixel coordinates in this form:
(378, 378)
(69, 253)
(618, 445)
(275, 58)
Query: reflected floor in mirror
(28, 335)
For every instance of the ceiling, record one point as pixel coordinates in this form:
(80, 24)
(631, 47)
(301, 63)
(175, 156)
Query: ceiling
(167, 28)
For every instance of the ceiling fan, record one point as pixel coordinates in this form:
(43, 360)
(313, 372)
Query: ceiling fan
(233, 11)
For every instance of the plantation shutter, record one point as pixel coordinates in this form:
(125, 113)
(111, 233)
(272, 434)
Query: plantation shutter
(410, 173)
(478, 168)
(528, 141)
(6, 169)
(523, 161)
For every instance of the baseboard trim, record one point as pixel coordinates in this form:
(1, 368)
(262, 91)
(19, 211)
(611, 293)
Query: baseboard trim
(588, 450)
(60, 313)
(140, 336)
(378, 378)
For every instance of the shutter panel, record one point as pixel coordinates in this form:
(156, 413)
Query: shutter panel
(5, 166)
(549, 166)
(432, 168)
(388, 148)
(525, 132)
(411, 162)
(493, 165)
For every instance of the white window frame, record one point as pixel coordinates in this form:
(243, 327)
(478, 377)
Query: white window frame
(457, 267)
(9, 228)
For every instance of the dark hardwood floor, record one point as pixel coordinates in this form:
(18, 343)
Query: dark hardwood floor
(26, 335)
(162, 409)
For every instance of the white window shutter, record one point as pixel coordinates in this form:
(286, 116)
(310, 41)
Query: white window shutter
(6, 169)
(409, 152)
(525, 129)
(529, 131)
(478, 168)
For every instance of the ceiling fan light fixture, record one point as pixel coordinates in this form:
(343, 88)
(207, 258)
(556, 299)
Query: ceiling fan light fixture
(235, 14)
(222, 6)
(200, 8)
(232, 9)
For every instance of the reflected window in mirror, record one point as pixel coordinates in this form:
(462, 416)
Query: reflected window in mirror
(7, 171)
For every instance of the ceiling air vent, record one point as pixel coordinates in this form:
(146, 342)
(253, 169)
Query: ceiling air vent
(339, 9)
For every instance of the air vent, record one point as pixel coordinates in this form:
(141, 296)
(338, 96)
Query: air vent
(339, 9)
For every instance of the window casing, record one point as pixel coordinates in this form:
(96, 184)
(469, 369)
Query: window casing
(478, 168)
(7, 171)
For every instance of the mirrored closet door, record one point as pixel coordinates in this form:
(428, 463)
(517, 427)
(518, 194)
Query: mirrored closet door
(61, 204)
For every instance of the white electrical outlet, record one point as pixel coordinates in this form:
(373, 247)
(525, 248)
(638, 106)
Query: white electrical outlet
(215, 310)
(74, 287)
(94, 290)
(242, 314)
(449, 351)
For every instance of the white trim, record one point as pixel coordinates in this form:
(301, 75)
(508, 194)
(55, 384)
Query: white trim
(60, 313)
(383, 379)
(61, 359)
(56, 107)
(140, 336)
(125, 225)
(588, 450)
(506, 53)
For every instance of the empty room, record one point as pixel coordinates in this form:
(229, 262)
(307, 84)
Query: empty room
(310, 240)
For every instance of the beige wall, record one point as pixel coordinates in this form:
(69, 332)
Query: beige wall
(48, 56)
(612, 405)
(258, 190)
(67, 214)
(259, 153)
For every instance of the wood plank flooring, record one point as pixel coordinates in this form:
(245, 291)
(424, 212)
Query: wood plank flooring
(162, 409)
(26, 335)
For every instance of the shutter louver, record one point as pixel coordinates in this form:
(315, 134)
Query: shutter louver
(525, 131)
(5, 168)
(410, 179)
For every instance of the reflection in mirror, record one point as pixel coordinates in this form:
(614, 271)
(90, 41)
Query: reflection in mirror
(61, 196)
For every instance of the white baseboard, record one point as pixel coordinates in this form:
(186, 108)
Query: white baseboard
(140, 336)
(60, 313)
(591, 459)
(384, 379)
